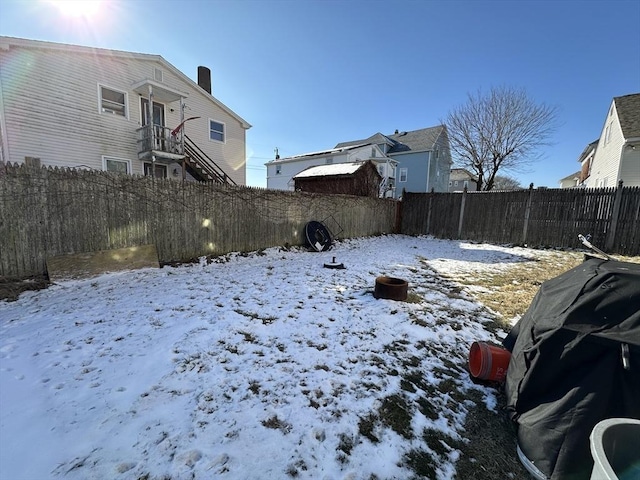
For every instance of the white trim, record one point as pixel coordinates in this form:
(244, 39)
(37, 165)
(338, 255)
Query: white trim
(126, 101)
(116, 159)
(406, 174)
(224, 132)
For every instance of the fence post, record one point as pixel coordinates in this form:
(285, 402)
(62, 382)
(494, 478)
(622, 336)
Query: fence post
(527, 213)
(615, 213)
(430, 198)
(464, 198)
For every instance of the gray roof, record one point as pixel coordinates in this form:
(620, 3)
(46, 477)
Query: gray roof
(414, 141)
(588, 149)
(628, 108)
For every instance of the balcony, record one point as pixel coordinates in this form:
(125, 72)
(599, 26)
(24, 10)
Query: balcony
(158, 141)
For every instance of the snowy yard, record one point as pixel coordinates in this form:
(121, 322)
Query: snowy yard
(258, 366)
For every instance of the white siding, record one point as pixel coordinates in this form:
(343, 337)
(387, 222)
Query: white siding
(51, 109)
(630, 167)
(606, 162)
(289, 168)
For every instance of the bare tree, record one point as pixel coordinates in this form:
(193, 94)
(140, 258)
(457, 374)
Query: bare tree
(506, 182)
(501, 130)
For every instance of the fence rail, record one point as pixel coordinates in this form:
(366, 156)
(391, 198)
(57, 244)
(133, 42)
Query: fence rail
(47, 212)
(538, 218)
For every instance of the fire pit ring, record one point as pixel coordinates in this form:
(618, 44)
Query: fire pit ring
(391, 288)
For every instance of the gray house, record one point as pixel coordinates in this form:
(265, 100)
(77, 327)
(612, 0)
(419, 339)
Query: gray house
(423, 156)
(460, 179)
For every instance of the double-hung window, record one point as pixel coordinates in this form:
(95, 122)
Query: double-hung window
(113, 101)
(403, 174)
(216, 131)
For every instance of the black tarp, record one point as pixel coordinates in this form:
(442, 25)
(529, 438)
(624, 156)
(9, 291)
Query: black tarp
(566, 371)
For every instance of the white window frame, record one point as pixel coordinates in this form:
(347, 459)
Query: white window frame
(150, 166)
(224, 131)
(158, 75)
(278, 169)
(108, 111)
(404, 172)
(106, 158)
(607, 133)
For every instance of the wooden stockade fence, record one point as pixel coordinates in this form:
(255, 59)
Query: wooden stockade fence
(537, 218)
(47, 212)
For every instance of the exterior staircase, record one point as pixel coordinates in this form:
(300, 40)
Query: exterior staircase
(201, 167)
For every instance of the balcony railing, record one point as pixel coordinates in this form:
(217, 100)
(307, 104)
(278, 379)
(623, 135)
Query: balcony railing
(158, 140)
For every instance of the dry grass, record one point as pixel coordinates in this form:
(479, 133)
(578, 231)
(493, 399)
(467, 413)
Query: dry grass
(491, 450)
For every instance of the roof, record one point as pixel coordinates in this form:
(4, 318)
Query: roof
(333, 169)
(588, 149)
(628, 108)
(319, 153)
(573, 176)
(7, 42)
(458, 173)
(413, 141)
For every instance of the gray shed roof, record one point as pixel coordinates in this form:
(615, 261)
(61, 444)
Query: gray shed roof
(413, 141)
(628, 108)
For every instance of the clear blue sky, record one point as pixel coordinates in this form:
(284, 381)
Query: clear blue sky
(310, 74)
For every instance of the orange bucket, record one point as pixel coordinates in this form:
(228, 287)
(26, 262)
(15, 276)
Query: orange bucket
(488, 362)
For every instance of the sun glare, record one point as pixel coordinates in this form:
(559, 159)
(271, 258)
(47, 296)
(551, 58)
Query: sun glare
(77, 8)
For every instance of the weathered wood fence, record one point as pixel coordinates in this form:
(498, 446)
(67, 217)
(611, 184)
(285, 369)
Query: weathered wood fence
(538, 218)
(49, 212)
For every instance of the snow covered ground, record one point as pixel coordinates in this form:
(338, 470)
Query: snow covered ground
(259, 366)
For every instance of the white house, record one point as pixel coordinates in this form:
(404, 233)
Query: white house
(415, 161)
(73, 106)
(281, 171)
(616, 155)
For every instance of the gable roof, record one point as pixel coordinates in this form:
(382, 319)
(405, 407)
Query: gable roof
(8, 42)
(333, 169)
(413, 141)
(628, 108)
(588, 149)
(460, 173)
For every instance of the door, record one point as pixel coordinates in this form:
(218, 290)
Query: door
(159, 172)
(158, 122)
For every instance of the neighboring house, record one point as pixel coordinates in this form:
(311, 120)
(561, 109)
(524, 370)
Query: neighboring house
(570, 181)
(361, 179)
(281, 171)
(423, 156)
(72, 106)
(460, 178)
(416, 161)
(616, 155)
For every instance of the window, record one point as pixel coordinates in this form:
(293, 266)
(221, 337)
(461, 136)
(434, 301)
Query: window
(466, 184)
(116, 165)
(403, 174)
(113, 101)
(455, 184)
(607, 134)
(216, 131)
(329, 161)
(278, 169)
(373, 153)
(160, 170)
(157, 74)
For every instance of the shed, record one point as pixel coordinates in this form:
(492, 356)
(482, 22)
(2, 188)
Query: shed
(361, 179)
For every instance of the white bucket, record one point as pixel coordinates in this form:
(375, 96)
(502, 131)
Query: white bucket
(615, 451)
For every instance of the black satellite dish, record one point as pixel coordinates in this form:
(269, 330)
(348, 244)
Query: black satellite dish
(318, 236)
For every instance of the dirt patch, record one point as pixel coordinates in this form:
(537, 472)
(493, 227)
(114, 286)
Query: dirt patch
(10, 290)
